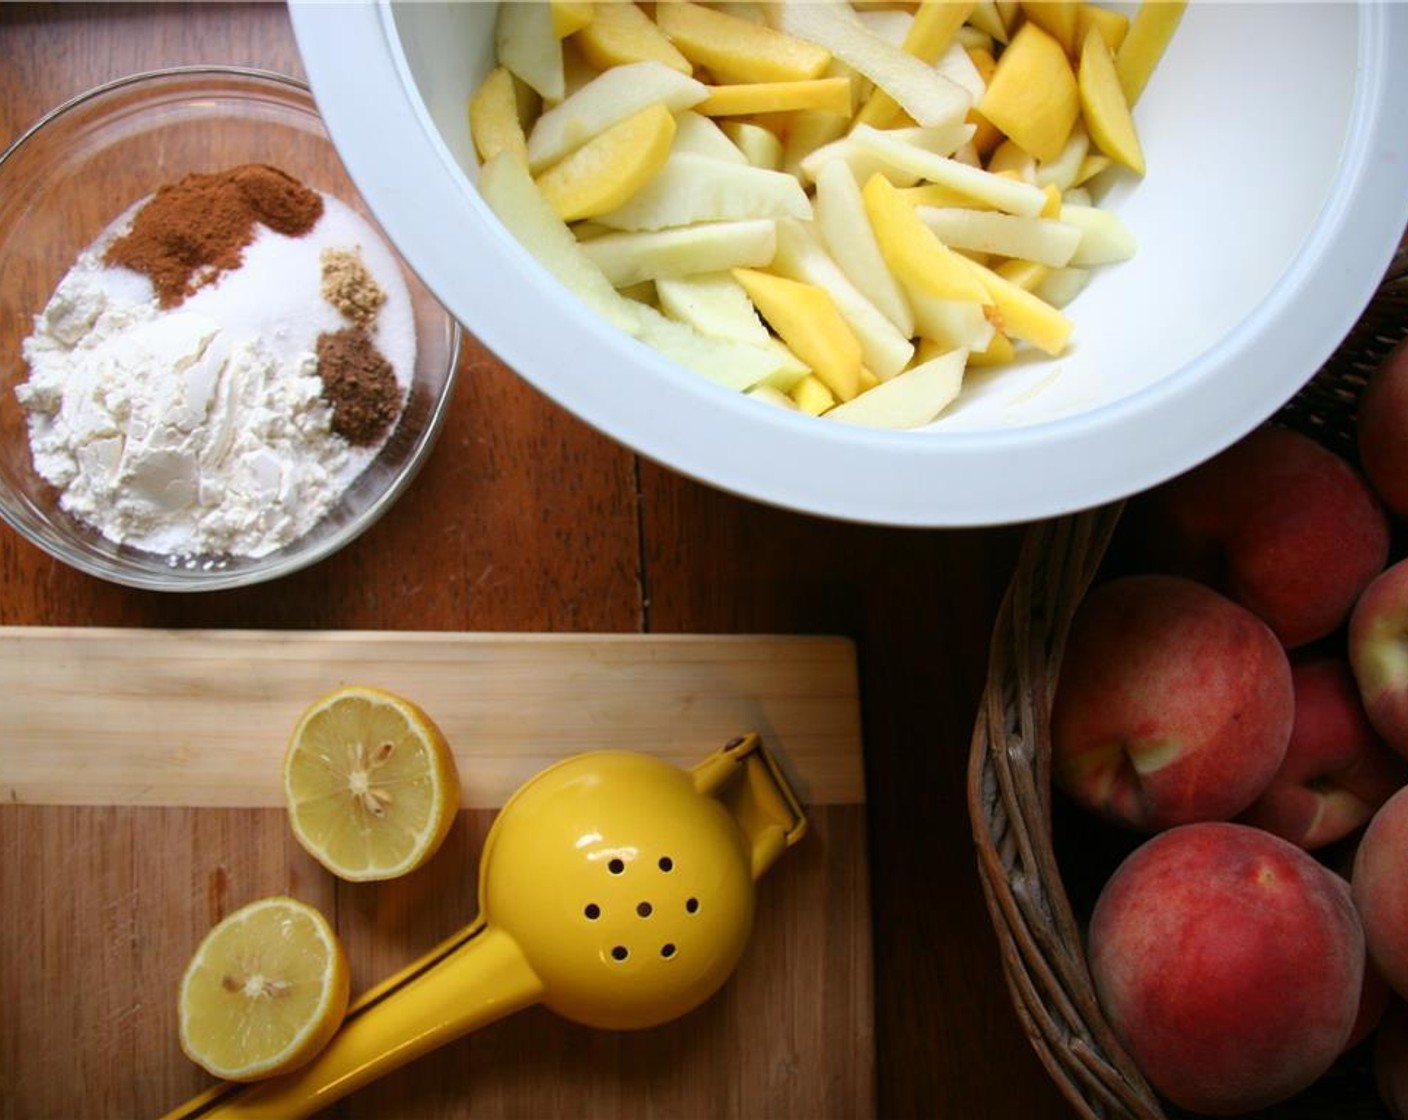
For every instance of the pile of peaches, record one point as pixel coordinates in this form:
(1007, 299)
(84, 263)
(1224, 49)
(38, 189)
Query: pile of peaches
(1234, 696)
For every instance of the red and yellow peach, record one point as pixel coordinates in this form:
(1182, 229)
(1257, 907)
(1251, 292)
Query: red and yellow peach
(1230, 964)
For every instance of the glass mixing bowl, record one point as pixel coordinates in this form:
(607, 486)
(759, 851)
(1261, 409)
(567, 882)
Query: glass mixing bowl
(68, 177)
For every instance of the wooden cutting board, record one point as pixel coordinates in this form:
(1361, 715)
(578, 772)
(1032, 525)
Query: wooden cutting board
(140, 802)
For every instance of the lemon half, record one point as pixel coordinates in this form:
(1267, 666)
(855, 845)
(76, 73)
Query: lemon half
(371, 783)
(266, 990)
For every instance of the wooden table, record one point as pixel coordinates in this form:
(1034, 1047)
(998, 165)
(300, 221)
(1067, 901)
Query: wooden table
(538, 523)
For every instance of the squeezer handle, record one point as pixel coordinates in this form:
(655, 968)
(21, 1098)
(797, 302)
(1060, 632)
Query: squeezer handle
(475, 978)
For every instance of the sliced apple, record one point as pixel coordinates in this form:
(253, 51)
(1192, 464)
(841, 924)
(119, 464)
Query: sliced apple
(801, 256)
(927, 37)
(619, 33)
(926, 95)
(688, 189)
(790, 368)
(950, 323)
(1104, 238)
(509, 191)
(957, 65)
(1062, 171)
(1005, 235)
(769, 395)
(612, 166)
(1150, 32)
(806, 318)
(1006, 194)
(699, 135)
(1012, 160)
(918, 259)
(841, 220)
(737, 50)
(890, 24)
(942, 140)
(714, 304)
(1103, 103)
(911, 400)
(493, 118)
(760, 146)
(528, 46)
(734, 365)
(607, 99)
(628, 258)
(1062, 285)
(1033, 97)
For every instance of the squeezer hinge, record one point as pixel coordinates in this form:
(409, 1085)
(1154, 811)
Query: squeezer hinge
(748, 780)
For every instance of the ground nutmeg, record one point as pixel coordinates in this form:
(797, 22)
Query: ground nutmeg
(359, 384)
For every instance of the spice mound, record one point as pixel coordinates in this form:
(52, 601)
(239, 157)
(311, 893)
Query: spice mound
(195, 229)
(219, 366)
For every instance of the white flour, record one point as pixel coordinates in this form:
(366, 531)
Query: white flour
(202, 430)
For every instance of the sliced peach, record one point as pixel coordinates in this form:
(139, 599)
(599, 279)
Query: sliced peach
(915, 255)
(607, 170)
(1107, 116)
(1033, 97)
(807, 319)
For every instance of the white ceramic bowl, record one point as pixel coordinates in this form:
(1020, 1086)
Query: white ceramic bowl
(1277, 146)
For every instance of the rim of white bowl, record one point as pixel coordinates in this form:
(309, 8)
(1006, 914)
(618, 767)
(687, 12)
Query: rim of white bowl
(292, 558)
(371, 106)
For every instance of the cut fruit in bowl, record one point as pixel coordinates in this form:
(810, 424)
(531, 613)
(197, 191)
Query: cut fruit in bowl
(266, 990)
(370, 782)
(1172, 358)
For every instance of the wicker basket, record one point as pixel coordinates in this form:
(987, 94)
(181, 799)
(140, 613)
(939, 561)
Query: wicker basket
(1019, 828)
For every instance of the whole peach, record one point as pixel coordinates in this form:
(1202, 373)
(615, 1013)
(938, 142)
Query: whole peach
(1391, 1060)
(1380, 885)
(1229, 963)
(1277, 522)
(1374, 1000)
(1173, 704)
(1382, 430)
(1378, 653)
(1337, 771)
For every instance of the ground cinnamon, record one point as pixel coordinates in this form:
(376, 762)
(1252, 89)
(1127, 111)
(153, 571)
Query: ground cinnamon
(360, 385)
(193, 230)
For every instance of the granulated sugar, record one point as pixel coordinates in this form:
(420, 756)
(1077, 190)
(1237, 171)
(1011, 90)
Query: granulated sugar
(203, 429)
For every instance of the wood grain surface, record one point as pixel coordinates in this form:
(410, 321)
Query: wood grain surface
(526, 520)
(201, 717)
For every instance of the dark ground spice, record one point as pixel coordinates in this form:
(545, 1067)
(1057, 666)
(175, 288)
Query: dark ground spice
(196, 228)
(359, 384)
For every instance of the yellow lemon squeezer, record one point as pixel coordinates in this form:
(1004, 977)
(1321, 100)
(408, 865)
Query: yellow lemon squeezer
(614, 888)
